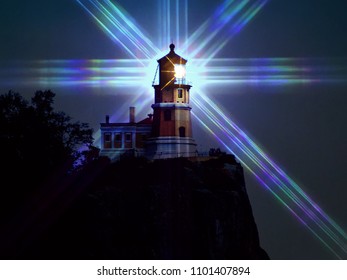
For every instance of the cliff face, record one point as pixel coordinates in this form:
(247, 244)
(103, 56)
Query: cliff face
(200, 211)
(167, 209)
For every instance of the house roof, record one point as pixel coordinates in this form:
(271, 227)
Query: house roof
(172, 57)
(145, 122)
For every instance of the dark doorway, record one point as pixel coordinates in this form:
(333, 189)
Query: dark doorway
(182, 131)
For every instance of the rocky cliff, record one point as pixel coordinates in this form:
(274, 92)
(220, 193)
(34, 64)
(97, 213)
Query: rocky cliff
(166, 209)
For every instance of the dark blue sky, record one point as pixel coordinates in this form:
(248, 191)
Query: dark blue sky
(47, 29)
(302, 127)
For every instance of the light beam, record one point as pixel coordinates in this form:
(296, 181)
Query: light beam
(120, 27)
(270, 175)
(228, 20)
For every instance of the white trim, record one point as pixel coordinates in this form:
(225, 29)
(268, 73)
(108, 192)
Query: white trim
(172, 105)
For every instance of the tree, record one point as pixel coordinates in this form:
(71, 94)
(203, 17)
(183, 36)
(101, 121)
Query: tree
(36, 141)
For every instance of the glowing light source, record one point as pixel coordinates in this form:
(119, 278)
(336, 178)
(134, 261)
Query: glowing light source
(180, 71)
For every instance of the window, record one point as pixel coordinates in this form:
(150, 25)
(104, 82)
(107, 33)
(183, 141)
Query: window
(117, 137)
(180, 93)
(182, 131)
(117, 140)
(167, 115)
(128, 137)
(107, 140)
(107, 137)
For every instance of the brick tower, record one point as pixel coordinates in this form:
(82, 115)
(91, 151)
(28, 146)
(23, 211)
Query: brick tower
(171, 129)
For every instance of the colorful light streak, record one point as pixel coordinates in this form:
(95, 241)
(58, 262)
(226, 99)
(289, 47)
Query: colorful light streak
(212, 26)
(236, 27)
(275, 71)
(79, 73)
(120, 27)
(228, 20)
(270, 175)
(173, 22)
(130, 73)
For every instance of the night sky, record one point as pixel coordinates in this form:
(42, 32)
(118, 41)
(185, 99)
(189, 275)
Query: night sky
(301, 126)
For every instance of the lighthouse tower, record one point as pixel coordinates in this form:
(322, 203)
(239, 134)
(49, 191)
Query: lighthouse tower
(171, 128)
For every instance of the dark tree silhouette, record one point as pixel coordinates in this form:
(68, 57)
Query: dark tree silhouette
(35, 139)
(38, 146)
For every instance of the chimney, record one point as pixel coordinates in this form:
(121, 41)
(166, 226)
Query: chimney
(107, 119)
(131, 114)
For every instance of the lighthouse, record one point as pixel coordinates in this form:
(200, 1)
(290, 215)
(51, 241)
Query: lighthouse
(167, 133)
(171, 134)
